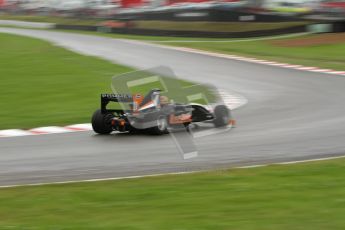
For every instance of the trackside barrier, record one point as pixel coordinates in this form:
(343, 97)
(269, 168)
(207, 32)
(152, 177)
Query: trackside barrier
(179, 33)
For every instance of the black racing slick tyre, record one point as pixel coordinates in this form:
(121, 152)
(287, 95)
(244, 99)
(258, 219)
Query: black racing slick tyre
(101, 123)
(222, 116)
(162, 126)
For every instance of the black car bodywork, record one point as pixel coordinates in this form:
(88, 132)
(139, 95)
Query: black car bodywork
(149, 114)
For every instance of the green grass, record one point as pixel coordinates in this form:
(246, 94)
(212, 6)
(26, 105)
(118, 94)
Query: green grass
(304, 196)
(43, 85)
(326, 56)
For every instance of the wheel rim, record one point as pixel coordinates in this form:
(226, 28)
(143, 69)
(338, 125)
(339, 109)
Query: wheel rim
(162, 124)
(107, 119)
(225, 118)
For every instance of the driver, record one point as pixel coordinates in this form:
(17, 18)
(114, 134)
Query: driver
(164, 100)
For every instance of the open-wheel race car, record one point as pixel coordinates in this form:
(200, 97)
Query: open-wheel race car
(154, 114)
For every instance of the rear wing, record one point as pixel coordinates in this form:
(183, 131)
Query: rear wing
(120, 98)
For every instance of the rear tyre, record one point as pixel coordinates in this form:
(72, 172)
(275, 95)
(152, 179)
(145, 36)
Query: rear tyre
(222, 116)
(101, 122)
(162, 126)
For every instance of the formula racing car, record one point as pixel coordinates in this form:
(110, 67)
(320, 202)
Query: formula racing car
(153, 113)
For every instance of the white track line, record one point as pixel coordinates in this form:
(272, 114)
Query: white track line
(310, 160)
(259, 61)
(50, 130)
(45, 130)
(14, 133)
(165, 174)
(80, 127)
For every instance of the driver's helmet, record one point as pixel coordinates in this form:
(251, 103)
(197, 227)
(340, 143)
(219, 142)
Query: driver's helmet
(164, 100)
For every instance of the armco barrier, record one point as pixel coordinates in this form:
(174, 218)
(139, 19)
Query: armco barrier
(76, 27)
(339, 26)
(327, 27)
(180, 33)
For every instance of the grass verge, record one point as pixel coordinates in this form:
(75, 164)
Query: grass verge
(303, 196)
(321, 55)
(43, 85)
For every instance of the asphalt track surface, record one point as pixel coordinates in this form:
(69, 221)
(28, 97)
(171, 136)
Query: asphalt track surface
(290, 115)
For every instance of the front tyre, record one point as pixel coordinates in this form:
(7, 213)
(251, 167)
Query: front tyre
(222, 116)
(101, 122)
